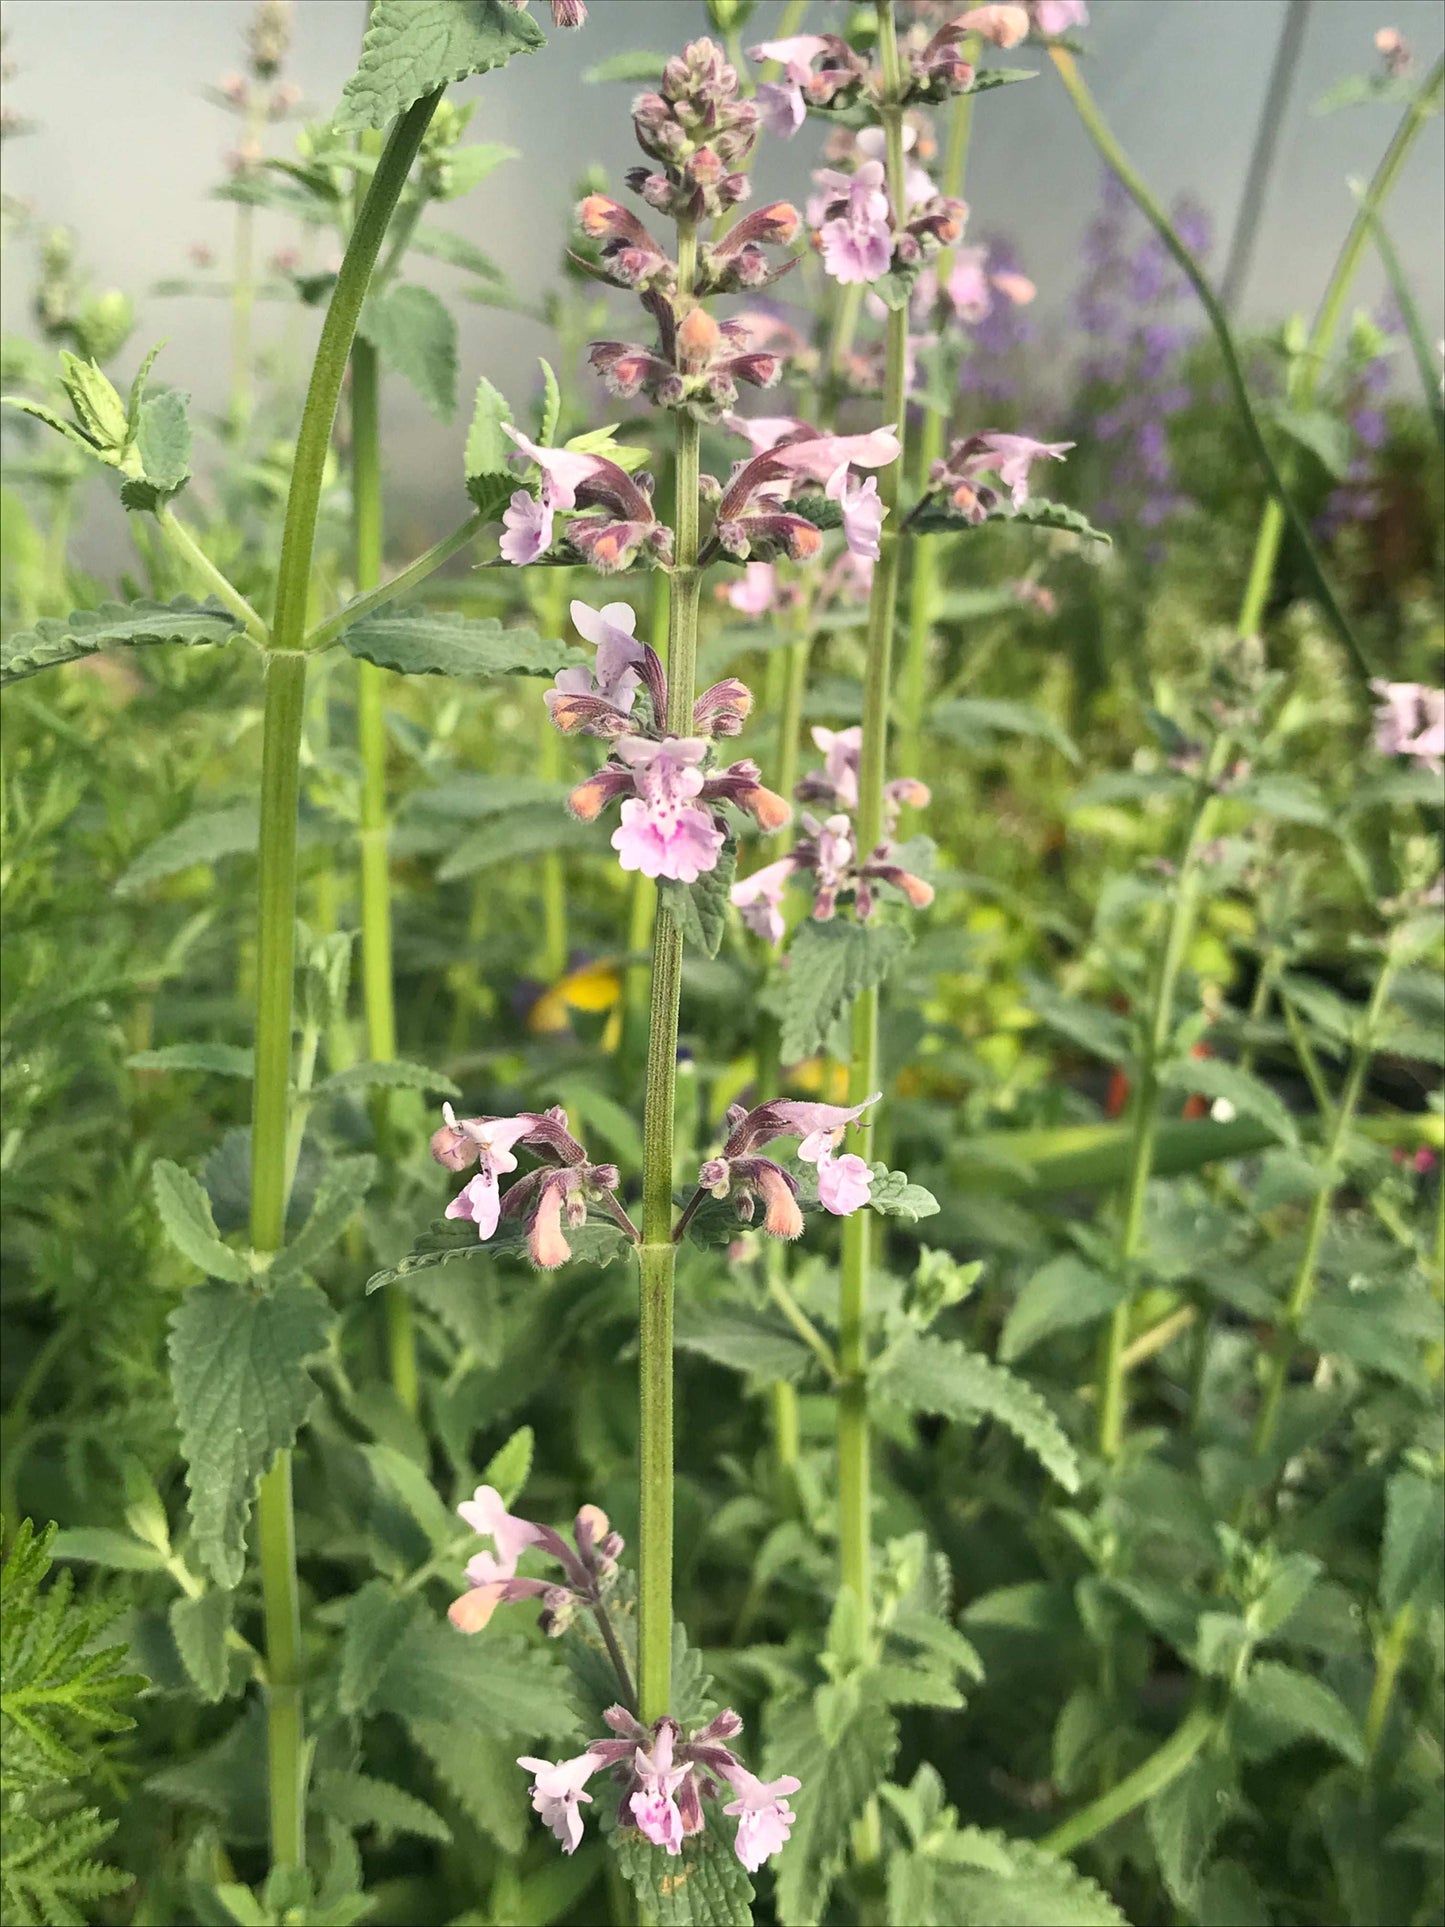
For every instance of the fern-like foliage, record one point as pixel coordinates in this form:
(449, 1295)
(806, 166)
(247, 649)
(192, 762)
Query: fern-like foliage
(61, 1693)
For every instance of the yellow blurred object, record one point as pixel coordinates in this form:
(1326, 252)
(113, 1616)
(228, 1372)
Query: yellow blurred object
(822, 1078)
(595, 987)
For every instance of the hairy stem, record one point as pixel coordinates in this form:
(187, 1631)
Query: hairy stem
(657, 1255)
(280, 773)
(1303, 1285)
(220, 586)
(1169, 961)
(361, 606)
(1151, 1776)
(854, 1501)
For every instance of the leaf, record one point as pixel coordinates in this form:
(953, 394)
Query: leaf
(703, 1885)
(491, 1683)
(199, 1627)
(413, 47)
(185, 1212)
(100, 1546)
(218, 1060)
(1410, 1555)
(1067, 1292)
(975, 719)
(1289, 798)
(242, 1390)
(1099, 1032)
(1185, 1820)
(928, 1374)
(1034, 1888)
(894, 1195)
(511, 838)
(1279, 1705)
(114, 625)
(490, 482)
(163, 441)
(840, 1773)
(376, 1623)
(394, 1074)
(467, 167)
(508, 1468)
(415, 334)
(1249, 1096)
(700, 910)
(550, 412)
(1322, 434)
(427, 642)
(358, 1801)
(828, 965)
(931, 517)
(741, 1339)
(442, 244)
(406, 1481)
(339, 1196)
(202, 838)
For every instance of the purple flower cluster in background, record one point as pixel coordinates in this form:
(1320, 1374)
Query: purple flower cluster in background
(1356, 498)
(1129, 308)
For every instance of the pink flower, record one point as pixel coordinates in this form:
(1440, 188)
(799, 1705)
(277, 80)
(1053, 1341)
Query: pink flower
(557, 1787)
(486, 1513)
(1005, 26)
(563, 470)
(863, 512)
(833, 861)
(1057, 16)
(842, 752)
(820, 1126)
(528, 525)
(781, 102)
(818, 458)
(782, 108)
(857, 242)
(794, 55)
(760, 898)
(661, 834)
(757, 592)
(1410, 721)
(613, 677)
(762, 1812)
(654, 1807)
(844, 1184)
(764, 432)
(1017, 452)
(490, 1141)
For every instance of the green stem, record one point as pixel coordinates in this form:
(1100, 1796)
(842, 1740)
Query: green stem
(1302, 1288)
(1389, 1657)
(280, 784)
(657, 1254)
(550, 765)
(1281, 508)
(325, 633)
(190, 551)
(1146, 1098)
(854, 1497)
(1151, 1776)
(923, 587)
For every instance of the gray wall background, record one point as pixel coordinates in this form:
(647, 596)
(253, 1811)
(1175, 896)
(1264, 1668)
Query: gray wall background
(124, 149)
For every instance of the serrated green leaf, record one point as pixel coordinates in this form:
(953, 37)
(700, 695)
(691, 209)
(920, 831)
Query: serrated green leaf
(377, 1620)
(185, 1212)
(741, 1339)
(828, 965)
(519, 834)
(114, 625)
(425, 642)
(840, 1774)
(239, 1373)
(597, 1242)
(977, 719)
(700, 910)
(413, 47)
(1185, 1820)
(483, 1776)
(551, 405)
(703, 1885)
(415, 334)
(100, 1546)
(358, 1801)
(510, 1465)
(163, 441)
(394, 1074)
(442, 244)
(38, 411)
(1250, 1096)
(894, 1195)
(1411, 1552)
(1279, 1705)
(98, 407)
(339, 1196)
(490, 482)
(218, 1060)
(1066, 1293)
(928, 1374)
(486, 1682)
(931, 517)
(1035, 1889)
(1100, 1032)
(199, 1628)
(467, 167)
(404, 1478)
(203, 838)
